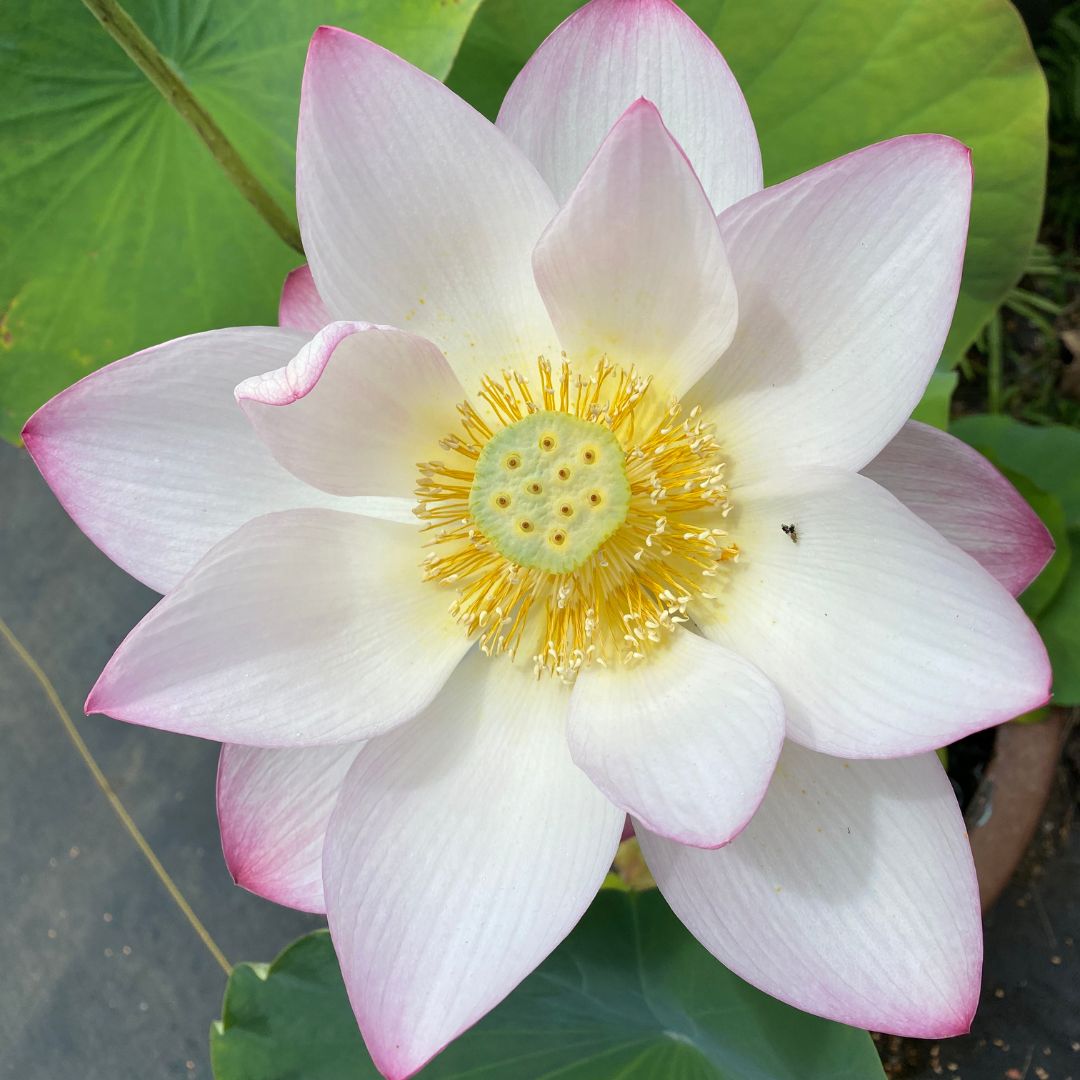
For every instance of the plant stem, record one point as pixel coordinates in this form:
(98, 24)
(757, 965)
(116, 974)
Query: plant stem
(995, 371)
(114, 800)
(120, 26)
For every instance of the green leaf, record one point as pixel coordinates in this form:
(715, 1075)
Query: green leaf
(824, 77)
(1060, 629)
(118, 228)
(629, 994)
(934, 406)
(1036, 716)
(1048, 455)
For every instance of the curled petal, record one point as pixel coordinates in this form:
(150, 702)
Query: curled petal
(355, 410)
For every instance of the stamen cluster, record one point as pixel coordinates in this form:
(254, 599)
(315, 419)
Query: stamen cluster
(637, 583)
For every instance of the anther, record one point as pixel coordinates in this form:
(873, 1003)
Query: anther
(519, 574)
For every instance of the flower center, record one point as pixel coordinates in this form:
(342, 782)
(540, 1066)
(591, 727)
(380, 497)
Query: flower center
(581, 521)
(549, 490)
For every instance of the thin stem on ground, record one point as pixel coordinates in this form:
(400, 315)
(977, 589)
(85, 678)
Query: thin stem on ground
(114, 800)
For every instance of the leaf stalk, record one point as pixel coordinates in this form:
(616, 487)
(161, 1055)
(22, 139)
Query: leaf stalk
(123, 29)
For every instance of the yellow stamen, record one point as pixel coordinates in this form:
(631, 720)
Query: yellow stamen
(564, 530)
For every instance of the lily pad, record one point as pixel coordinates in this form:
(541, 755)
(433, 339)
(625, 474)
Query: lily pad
(630, 994)
(119, 229)
(824, 77)
(1046, 454)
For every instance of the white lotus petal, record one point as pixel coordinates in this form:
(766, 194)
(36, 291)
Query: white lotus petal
(883, 638)
(851, 894)
(463, 849)
(416, 211)
(604, 57)
(685, 741)
(633, 266)
(847, 279)
(309, 626)
(273, 806)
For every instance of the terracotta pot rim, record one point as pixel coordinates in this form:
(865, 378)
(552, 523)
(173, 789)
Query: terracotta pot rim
(1005, 810)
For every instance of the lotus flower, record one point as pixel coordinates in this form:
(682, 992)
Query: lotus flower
(677, 554)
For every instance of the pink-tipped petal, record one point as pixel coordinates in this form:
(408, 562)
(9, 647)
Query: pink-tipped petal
(847, 279)
(356, 409)
(633, 267)
(415, 210)
(304, 627)
(463, 849)
(273, 807)
(604, 57)
(685, 741)
(301, 307)
(851, 894)
(154, 460)
(959, 492)
(883, 638)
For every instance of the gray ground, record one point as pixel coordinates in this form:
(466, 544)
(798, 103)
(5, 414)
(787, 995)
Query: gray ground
(102, 976)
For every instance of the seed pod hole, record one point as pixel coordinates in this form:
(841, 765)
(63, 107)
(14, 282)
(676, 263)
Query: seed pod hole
(589, 456)
(547, 442)
(558, 538)
(595, 499)
(566, 510)
(502, 501)
(535, 488)
(513, 461)
(525, 526)
(564, 473)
